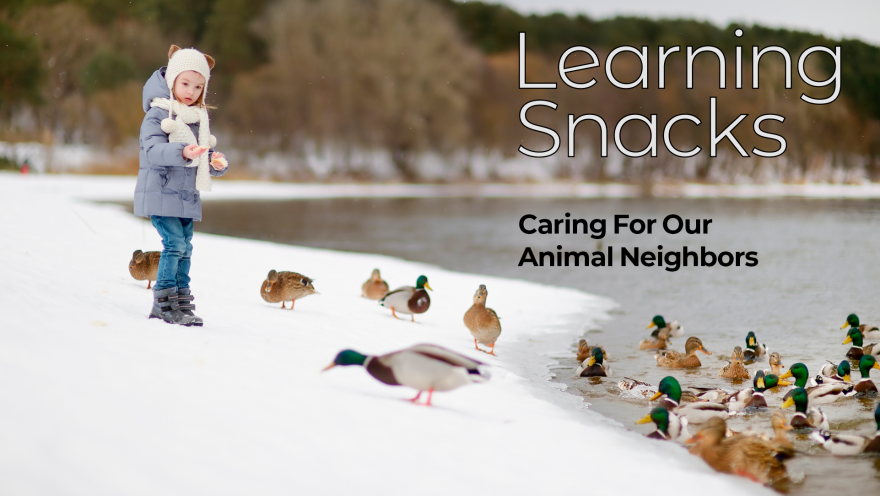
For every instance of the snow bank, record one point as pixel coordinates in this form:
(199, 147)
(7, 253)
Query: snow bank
(97, 399)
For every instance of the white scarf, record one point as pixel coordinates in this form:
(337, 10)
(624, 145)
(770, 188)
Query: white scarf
(179, 132)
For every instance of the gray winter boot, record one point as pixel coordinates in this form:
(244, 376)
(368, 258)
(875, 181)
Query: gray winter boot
(185, 298)
(167, 308)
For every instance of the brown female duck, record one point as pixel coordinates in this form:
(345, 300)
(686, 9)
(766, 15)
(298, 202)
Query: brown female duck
(746, 456)
(657, 343)
(375, 288)
(286, 286)
(735, 368)
(144, 266)
(585, 350)
(482, 322)
(676, 360)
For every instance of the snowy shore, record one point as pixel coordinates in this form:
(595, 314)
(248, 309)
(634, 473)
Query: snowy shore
(98, 400)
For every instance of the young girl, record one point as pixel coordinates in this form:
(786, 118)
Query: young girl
(174, 170)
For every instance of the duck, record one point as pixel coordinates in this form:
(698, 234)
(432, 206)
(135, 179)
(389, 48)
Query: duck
(805, 417)
(780, 438)
(866, 386)
(144, 266)
(676, 360)
(594, 366)
(752, 397)
(375, 287)
(754, 350)
(869, 331)
(775, 364)
(850, 444)
(673, 329)
(423, 367)
(821, 394)
(286, 286)
(585, 350)
(639, 389)
(408, 299)
(858, 349)
(747, 456)
(696, 412)
(658, 343)
(482, 322)
(831, 373)
(734, 368)
(670, 427)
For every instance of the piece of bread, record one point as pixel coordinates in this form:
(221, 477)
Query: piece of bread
(220, 160)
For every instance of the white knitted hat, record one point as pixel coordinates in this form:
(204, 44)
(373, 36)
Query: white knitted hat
(188, 59)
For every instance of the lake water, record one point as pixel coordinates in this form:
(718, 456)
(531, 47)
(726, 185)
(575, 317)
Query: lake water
(817, 262)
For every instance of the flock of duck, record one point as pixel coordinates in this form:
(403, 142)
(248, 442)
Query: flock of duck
(747, 453)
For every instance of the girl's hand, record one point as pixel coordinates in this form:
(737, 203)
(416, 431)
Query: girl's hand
(192, 152)
(218, 161)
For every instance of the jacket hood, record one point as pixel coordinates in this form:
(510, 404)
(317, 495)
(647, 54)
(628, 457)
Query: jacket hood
(155, 87)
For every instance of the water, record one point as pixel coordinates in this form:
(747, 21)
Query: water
(817, 263)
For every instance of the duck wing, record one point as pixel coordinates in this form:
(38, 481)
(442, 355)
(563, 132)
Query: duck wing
(448, 356)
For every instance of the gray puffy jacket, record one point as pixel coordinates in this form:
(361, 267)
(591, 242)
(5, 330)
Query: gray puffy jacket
(165, 186)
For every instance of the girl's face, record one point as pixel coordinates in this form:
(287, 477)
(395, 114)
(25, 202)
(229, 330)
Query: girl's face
(188, 87)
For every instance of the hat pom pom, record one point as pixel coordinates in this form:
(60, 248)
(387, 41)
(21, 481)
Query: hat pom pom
(168, 125)
(212, 141)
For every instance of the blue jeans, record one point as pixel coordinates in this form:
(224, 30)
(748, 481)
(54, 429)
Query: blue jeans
(177, 233)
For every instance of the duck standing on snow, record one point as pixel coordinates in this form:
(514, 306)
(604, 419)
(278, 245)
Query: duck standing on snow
(734, 368)
(869, 331)
(670, 427)
(859, 349)
(850, 444)
(805, 417)
(821, 394)
(375, 288)
(408, 299)
(594, 366)
(286, 286)
(677, 360)
(482, 322)
(696, 412)
(746, 456)
(866, 386)
(424, 367)
(754, 350)
(658, 343)
(673, 329)
(144, 266)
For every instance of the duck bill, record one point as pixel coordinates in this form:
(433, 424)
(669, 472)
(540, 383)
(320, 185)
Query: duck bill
(846, 378)
(591, 361)
(786, 375)
(783, 383)
(325, 369)
(695, 439)
(429, 286)
(844, 325)
(751, 342)
(268, 287)
(652, 398)
(847, 340)
(705, 351)
(761, 383)
(876, 365)
(788, 403)
(644, 420)
(650, 325)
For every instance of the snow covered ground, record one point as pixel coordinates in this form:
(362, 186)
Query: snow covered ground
(99, 400)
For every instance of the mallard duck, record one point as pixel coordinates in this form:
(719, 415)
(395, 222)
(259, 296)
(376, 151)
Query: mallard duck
(821, 394)
(670, 427)
(805, 417)
(697, 412)
(858, 349)
(286, 286)
(754, 350)
(409, 300)
(752, 397)
(675, 360)
(833, 373)
(775, 364)
(375, 288)
(673, 329)
(734, 368)
(144, 266)
(482, 322)
(593, 366)
(850, 444)
(747, 456)
(865, 384)
(639, 389)
(658, 343)
(585, 351)
(424, 367)
(869, 331)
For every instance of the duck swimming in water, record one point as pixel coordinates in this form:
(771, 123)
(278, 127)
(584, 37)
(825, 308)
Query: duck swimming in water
(850, 444)
(676, 360)
(866, 386)
(869, 331)
(734, 368)
(754, 350)
(858, 349)
(805, 417)
(834, 373)
(673, 329)
(696, 412)
(821, 394)
(593, 366)
(670, 427)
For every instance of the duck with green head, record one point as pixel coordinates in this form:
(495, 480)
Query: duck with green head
(850, 444)
(820, 394)
(754, 350)
(858, 349)
(594, 366)
(670, 427)
(424, 367)
(866, 386)
(696, 412)
(673, 329)
(869, 331)
(834, 373)
(805, 417)
(753, 397)
(408, 299)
